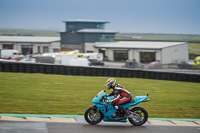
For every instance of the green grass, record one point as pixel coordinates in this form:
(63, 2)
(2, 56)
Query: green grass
(194, 45)
(152, 36)
(195, 52)
(71, 95)
(118, 36)
(23, 32)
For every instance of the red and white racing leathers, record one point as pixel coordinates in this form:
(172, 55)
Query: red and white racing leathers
(122, 95)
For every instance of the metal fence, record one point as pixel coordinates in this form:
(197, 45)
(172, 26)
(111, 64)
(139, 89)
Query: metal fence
(95, 71)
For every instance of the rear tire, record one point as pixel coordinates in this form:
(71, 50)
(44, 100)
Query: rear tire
(93, 116)
(142, 115)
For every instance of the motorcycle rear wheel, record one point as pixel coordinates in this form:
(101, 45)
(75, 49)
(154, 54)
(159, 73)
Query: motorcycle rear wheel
(93, 116)
(141, 114)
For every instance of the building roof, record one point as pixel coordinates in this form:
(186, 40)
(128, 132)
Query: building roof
(29, 39)
(138, 45)
(87, 21)
(95, 31)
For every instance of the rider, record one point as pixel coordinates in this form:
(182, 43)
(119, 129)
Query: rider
(122, 95)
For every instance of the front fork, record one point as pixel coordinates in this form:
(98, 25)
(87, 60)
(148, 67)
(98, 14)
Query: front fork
(95, 114)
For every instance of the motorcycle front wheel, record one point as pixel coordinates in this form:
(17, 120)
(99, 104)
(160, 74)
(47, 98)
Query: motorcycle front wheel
(138, 116)
(93, 116)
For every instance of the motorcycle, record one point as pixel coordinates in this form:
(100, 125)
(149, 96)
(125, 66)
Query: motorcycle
(103, 110)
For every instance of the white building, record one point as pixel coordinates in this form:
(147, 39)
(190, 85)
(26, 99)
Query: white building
(32, 44)
(142, 51)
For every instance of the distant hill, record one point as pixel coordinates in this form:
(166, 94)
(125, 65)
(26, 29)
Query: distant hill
(158, 37)
(22, 32)
(118, 37)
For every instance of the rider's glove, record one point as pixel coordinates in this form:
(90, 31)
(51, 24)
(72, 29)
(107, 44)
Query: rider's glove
(108, 101)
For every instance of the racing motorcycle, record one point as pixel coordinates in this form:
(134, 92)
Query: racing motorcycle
(105, 110)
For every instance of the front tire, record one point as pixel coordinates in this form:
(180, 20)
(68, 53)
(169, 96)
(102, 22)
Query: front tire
(93, 116)
(139, 116)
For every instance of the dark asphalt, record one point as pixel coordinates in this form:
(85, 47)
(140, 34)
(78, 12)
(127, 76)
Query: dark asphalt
(23, 127)
(43, 127)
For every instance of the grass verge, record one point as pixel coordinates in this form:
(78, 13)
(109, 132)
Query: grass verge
(71, 95)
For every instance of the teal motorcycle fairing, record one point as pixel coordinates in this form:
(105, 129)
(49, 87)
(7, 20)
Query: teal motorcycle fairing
(108, 109)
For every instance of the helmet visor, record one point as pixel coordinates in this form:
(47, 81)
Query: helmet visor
(108, 86)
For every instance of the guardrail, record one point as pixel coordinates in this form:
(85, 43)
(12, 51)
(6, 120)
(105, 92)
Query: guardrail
(95, 71)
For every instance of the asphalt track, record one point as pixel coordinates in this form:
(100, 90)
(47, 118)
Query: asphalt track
(83, 127)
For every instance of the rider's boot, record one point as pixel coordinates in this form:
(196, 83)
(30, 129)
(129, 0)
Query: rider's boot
(122, 110)
(126, 113)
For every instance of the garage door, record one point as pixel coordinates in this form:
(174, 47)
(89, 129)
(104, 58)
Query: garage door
(146, 57)
(27, 49)
(121, 55)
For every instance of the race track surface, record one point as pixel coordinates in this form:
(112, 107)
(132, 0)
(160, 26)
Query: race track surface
(83, 127)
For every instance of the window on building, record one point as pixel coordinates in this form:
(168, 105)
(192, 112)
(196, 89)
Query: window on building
(72, 40)
(7, 46)
(71, 26)
(146, 57)
(107, 38)
(100, 26)
(56, 50)
(45, 49)
(89, 51)
(121, 55)
(71, 31)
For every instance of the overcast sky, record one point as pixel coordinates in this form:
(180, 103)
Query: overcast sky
(136, 16)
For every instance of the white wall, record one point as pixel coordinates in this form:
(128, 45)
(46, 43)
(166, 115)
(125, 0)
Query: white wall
(90, 47)
(166, 55)
(1, 46)
(18, 46)
(54, 45)
(110, 54)
(175, 53)
(135, 54)
(131, 54)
